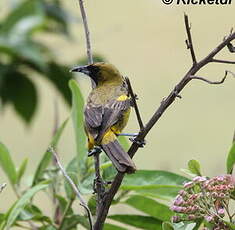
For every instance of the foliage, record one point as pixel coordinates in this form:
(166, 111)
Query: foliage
(148, 191)
(22, 54)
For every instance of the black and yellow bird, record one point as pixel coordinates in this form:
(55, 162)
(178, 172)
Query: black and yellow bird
(106, 113)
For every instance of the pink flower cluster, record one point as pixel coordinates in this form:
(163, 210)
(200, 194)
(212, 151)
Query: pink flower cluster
(205, 198)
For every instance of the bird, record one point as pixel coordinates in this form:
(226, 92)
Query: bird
(106, 113)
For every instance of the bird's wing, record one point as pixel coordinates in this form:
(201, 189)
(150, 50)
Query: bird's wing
(113, 112)
(100, 118)
(93, 119)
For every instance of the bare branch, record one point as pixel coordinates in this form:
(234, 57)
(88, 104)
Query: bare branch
(231, 48)
(213, 82)
(74, 187)
(133, 97)
(87, 32)
(189, 41)
(223, 61)
(98, 182)
(109, 195)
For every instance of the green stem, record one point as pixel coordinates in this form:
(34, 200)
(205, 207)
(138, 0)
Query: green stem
(65, 213)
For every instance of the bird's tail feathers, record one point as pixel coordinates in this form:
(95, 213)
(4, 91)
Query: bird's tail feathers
(120, 159)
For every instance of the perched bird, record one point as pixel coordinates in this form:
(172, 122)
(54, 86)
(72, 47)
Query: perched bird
(106, 113)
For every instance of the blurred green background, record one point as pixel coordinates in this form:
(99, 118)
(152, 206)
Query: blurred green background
(145, 40)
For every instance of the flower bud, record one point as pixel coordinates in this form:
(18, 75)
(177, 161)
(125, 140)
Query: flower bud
(221, 212)
(176, 219)
(178, 200)
(209, 218)
(188, 184)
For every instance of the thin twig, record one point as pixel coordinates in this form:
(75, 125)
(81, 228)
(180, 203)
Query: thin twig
(223, 61)
(68, 207)
(214, 82)
(107, 200)
(189, 41)
(211, 82)
(98, 182)
(74, 187)
(133, 97)
(87, 32)
(231, 48)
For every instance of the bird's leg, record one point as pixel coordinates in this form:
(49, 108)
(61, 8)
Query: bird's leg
(140, 143)
(95, 150)
(128, 134)
(99, 184)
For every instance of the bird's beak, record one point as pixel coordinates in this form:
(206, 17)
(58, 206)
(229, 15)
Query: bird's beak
(81, 69)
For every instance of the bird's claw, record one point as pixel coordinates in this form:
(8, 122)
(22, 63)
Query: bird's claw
(140, 143)
(95, 150)
(100, 181)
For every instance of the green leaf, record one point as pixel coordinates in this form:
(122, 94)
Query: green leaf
(58, 134)
(57, 18)
(92, 203)
(188, 173)
(47, 157)
(43, 164)
(72, 222)
(194, 167)
(48, 227)
(124, 142)
(21, 203)
(32, 212)
(161, 184)
(63, 203)
(17, 29)
(231, 225)
(231, 159)
(167, 226)
(21, 170)
(78, 123)
(113, 227)
(142, 222)
(150, 207)
(24, 19)
(25, 98)
(59, 75)
(184, 226)
(7, 164)
(21, 92)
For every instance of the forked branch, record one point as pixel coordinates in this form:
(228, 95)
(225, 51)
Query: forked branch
(109, 195)
(214, 82)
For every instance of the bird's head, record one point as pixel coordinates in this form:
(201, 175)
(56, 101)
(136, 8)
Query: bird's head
(100, 72)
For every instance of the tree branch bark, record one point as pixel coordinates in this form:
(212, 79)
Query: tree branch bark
(109, 195)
